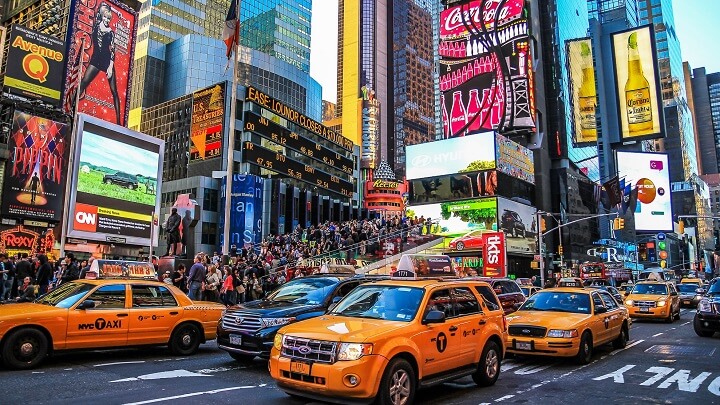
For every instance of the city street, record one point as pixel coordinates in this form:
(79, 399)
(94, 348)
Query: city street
(663, 363)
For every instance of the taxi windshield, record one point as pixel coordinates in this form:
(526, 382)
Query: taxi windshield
(558, 302)
(687, 288)
(311, 291)
(650, 289)
(393, 303)
(66, 295)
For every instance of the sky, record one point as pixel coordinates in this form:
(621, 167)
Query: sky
(696, 24)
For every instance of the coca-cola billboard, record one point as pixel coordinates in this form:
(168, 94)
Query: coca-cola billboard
(486, 80)
(494, 254)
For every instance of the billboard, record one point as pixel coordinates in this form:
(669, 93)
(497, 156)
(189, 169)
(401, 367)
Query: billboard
(486, 79)
(450, 156)
(467, 185)
(101, 43)
(583, 97)
(460, 217)
(206, 127)
(36, 171)
(637, 83)
(514, 159)
(518, 222)
(370, 133)
(647, 175)
(116, 183)
(246, 205)
(37, 65)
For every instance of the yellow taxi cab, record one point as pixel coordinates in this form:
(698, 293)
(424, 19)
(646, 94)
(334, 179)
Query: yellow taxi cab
(386, 339)
(567, 322)
(125, 306)
(688, 280)
(653, 299)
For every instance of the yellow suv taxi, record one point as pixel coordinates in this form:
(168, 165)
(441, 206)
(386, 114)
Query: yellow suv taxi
(567, 322)
(90, 314)
(653, 299)
(388, 338)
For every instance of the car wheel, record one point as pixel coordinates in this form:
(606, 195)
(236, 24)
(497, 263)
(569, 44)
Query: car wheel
(24, 349)
(622, 340)
(185, 340)
(398, 384)
(671, 317)
(242, 358)
(586, 348)
(514, 233)
(460, 246)
(108, 181)
(489, 368)
(131, 187)
(699, 330)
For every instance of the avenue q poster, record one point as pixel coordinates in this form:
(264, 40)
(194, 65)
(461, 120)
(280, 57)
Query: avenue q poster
(101, 42)
(35, 173)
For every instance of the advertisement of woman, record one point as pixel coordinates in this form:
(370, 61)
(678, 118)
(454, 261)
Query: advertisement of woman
(101, 56)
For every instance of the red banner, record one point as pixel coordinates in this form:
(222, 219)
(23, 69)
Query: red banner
(494, 254)
(102, 37)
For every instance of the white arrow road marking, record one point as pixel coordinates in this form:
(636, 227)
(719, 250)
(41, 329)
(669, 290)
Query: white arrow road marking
(163, 375)
(714, 387)
(194, 394)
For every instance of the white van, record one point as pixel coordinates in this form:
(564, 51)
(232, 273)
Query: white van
(656, 274)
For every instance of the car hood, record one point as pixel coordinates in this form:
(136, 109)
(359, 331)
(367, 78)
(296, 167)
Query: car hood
(275, 309)
(547, 319)
(28, 310)
(713, 299)
(335, 328)
(646, 297)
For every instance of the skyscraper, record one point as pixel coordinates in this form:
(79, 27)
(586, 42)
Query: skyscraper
(277, 28)
(388, 47)
(706, 103)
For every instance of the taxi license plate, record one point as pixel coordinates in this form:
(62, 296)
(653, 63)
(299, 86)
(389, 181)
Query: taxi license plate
(236, 340)
(299, 367)
(644, 309)
(523, 346)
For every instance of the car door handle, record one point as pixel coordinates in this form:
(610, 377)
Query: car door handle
(453, 328)
(122, 315)
(482, 322)
(173, 313)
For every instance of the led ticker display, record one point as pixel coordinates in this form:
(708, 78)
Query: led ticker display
(279, 162)
(284, 137)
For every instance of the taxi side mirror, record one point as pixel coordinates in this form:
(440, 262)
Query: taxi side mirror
(434, 316)
(87, 304)
(627, 292)
(336, 299)
(700, 291)
(673, 293)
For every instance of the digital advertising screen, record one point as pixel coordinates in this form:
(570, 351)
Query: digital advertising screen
(450, 156)
(486, 76)
(246, 207)
(116, 183)
(638, 85)
(514, 159)
(459, 217)
(583, 97)
(37, 65)
(101, 44)
(206, 125)
(36, 172)
(647, 176)
(518, 222)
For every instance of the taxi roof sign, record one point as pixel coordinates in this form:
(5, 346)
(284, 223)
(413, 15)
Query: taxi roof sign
(416, 266)
(121, 269)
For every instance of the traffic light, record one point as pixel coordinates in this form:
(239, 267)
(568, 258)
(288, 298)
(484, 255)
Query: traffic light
(542, 224)
(681, 227)
(619, 223)
(560, 250)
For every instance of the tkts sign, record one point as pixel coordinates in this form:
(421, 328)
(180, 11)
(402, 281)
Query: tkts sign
(494, 254)
(18, 239)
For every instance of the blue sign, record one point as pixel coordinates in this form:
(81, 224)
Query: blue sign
(660, 236)
(245, 209)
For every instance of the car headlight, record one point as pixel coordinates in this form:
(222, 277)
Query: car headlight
(278, 341)
(353, 351)
(704, 306)
(559, 333)
(270, 322)
(661, 303)
(629, 302)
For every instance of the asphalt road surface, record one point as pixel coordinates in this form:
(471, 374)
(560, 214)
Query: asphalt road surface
(663, 363)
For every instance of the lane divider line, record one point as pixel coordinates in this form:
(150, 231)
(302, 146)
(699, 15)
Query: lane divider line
(193, 394)
(657, 334)
(627, 347)
(119, 363)
(504, 398)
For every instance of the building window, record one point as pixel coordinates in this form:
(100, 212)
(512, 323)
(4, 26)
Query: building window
(209, 234)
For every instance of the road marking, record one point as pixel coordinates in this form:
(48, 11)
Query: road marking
(532, 369)
(686, 323)
(504, 398)
(193, 394)
(163, 375)
(660, 373)
(627, 347)
(714, 386)
(220, 369)
(617, 375)
(672, 328)
(509, 365)
(119, 363)
(657, 334)
(38, 372)
(682, 378)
